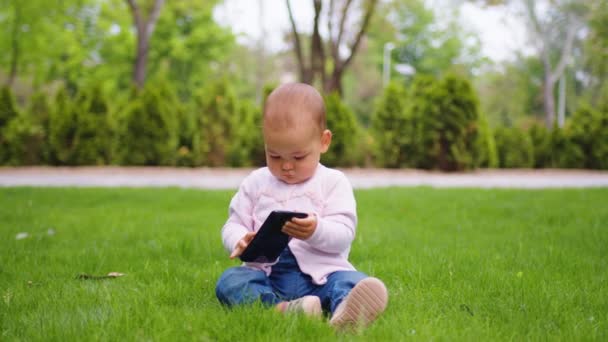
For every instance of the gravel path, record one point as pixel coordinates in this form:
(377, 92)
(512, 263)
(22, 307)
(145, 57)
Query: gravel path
(223, 178)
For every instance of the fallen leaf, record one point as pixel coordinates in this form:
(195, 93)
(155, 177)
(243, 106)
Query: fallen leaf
(115, 274)
(21, 236)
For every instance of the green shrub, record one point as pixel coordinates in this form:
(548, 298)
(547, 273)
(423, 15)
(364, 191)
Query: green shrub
(8, 111)
(485, 154)
(62, 130)
(94, 133)
(247, 145)
(446, 125)
(565, 153)
(514, 148)
(25, 140)
(40, 112)
(150, 133)
(216, 115)
(542, 145)
(389, 128)
(345, 145)
(588, 129)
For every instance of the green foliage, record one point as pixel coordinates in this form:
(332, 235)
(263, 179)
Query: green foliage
(346, 137)
(459, 120)
(62, 129)
(25, 140)
(484, 151)
(588, 129)
(390, 128)
(8, 111)
(217, 113)
(447, 125)
(542, 145)
(94, 132)
(247, 145)
(514, 148)
(150, 133)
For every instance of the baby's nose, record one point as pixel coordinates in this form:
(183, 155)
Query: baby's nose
(287, 166)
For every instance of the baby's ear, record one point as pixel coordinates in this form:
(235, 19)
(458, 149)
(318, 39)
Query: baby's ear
(325, 140)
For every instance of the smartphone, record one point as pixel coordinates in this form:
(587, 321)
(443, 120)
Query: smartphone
(270, 241)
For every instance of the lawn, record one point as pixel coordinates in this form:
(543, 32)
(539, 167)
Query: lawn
(460, 264)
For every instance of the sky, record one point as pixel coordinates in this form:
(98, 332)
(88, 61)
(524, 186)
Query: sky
(500, 30)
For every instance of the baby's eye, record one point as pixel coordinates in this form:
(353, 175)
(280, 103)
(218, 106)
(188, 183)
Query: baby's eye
(299, 157)
(275, 157)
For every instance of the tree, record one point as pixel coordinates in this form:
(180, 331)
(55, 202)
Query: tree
(144, 26)
(553, 33)
(325, 60)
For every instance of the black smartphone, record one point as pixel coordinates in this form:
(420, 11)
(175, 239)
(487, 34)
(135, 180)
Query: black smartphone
(270, 241)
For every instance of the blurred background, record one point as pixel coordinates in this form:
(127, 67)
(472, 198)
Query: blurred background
(430, 84)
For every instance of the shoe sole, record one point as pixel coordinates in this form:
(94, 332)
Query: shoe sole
(363, 304)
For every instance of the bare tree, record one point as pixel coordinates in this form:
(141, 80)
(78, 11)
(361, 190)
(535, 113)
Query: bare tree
(144, 28)
(553, 72)
(318, 68)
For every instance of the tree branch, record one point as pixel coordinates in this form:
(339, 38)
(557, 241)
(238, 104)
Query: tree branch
(317, 55)
(136, 13)
(342, 22)
(158, 4)
(565, 53)
(297, 43)
(368, 15)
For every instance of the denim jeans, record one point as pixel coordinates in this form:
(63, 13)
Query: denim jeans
(244, 285)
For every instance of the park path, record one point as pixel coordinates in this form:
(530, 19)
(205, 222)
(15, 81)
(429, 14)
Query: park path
(225, 178)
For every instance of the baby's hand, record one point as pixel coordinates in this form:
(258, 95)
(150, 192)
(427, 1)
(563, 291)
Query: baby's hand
(301, 228)
(242, 244)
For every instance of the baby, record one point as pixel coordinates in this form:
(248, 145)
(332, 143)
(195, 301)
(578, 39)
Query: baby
(313, 273)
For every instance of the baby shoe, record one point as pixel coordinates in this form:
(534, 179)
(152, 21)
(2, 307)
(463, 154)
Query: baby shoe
(362, 305)
(308, 305)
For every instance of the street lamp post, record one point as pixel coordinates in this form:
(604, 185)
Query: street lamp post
(386, 64)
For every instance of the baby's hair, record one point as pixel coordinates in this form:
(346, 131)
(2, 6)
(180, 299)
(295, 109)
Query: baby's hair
(293, 103)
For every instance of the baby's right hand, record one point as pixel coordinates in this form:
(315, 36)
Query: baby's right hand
(242, 244)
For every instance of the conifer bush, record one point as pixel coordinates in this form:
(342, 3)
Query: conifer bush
(8, 111)
(542, 146)
(447, 131)
(25, 141)
(215, 107)
(345, 145)
(62, 130)
(247, 145)
(588, 130)
(514, 148)
(389, 128)
(94, 132)
(150, 133)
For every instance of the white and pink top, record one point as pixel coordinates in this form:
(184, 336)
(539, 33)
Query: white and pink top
(328, 194)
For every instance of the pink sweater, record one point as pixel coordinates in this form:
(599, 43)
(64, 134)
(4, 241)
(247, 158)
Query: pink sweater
(328, 194)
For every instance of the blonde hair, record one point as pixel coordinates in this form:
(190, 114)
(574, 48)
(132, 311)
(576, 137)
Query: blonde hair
(294, 103)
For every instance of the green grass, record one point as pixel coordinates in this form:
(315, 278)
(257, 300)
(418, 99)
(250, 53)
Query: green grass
(460, 264)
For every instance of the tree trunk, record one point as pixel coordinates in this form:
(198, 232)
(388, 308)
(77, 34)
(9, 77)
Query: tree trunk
(561, 107)
(548, 99)
(144, 29)
(141, 59)
(319, 66)
(15, 46)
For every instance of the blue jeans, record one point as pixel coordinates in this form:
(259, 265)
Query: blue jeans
(244, 285)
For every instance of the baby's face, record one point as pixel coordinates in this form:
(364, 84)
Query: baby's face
(292, 154)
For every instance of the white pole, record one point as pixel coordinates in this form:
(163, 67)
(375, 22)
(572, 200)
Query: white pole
(386, 64)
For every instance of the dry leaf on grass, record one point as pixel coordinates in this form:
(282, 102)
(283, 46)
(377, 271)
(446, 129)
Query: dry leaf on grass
(110, 275)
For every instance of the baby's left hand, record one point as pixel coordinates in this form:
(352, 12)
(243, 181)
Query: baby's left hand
(301, 228)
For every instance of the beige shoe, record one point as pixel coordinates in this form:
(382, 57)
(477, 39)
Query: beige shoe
(362, 306)
(308, 305)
